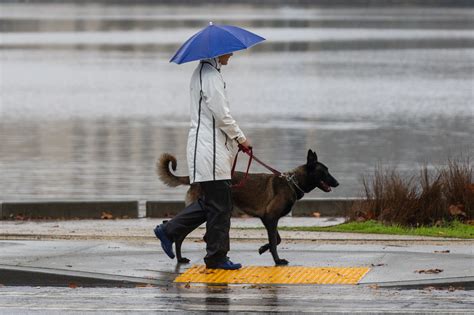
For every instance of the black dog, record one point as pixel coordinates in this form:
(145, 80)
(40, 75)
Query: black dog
(266, 196)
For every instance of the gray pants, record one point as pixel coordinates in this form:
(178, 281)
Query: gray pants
(215, 208)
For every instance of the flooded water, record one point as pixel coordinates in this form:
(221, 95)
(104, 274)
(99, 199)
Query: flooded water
(88, 99)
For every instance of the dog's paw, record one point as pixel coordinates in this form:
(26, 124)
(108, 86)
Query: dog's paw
(183, 260)
(263, 249)
(281, 262)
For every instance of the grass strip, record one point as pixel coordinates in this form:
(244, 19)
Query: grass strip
(453, 230)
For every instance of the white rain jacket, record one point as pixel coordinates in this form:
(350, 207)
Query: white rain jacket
(214, 134)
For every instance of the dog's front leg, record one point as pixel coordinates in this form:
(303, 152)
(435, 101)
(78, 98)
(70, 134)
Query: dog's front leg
(271, 226)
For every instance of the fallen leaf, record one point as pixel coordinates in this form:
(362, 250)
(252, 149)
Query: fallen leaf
(72, 285)
(429, 271)
(20, 217)
(442, 251)
(144, 285)
(377, 265)
(457, 210)
(69, 266)
(470, 187)
(450, 288)
(374, 286)
(106, 215)
(207, 272)
(371, 214)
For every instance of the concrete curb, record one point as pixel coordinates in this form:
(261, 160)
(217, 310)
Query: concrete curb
(69, 209)
(466, 283)
(337, 207)
(32, 276)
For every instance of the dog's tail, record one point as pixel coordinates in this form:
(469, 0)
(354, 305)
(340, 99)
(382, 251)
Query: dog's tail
(164, 173)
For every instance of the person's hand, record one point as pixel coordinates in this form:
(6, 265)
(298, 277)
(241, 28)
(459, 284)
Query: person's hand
(246, 145)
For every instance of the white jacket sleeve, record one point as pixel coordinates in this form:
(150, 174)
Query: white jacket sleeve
(215, 98)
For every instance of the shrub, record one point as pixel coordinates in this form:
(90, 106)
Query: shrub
(458, 188)
(426, 199)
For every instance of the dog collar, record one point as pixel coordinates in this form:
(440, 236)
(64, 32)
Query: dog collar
(292, 180)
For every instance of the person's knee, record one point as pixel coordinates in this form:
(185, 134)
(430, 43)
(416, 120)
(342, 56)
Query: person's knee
(221, 212)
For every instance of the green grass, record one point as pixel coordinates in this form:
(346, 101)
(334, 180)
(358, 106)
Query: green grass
(453, 229)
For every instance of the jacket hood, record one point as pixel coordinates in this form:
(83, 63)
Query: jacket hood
(214, 62)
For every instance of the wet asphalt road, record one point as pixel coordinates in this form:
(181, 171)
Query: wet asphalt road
(249, 299)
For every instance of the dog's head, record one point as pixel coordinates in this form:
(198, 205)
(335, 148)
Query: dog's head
(318, 173)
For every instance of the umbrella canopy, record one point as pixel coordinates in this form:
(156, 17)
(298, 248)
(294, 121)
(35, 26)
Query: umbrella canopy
(215, 40)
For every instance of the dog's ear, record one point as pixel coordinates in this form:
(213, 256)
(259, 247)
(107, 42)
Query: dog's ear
(315, 156)
(312, 158)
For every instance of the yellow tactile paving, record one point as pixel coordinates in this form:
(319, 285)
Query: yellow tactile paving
(275, 275)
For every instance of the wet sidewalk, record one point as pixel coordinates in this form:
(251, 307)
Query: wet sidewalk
(144, 261)
(128, 248)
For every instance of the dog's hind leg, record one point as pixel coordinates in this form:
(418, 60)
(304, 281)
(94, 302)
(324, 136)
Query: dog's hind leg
(179, 257)
(271, 226)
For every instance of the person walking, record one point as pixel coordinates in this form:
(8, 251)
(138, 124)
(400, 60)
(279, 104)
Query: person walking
(212, 143)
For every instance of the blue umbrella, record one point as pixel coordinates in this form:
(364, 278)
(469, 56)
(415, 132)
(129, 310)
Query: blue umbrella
(215, 40)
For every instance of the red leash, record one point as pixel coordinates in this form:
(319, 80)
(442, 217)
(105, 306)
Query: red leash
(249, 152)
